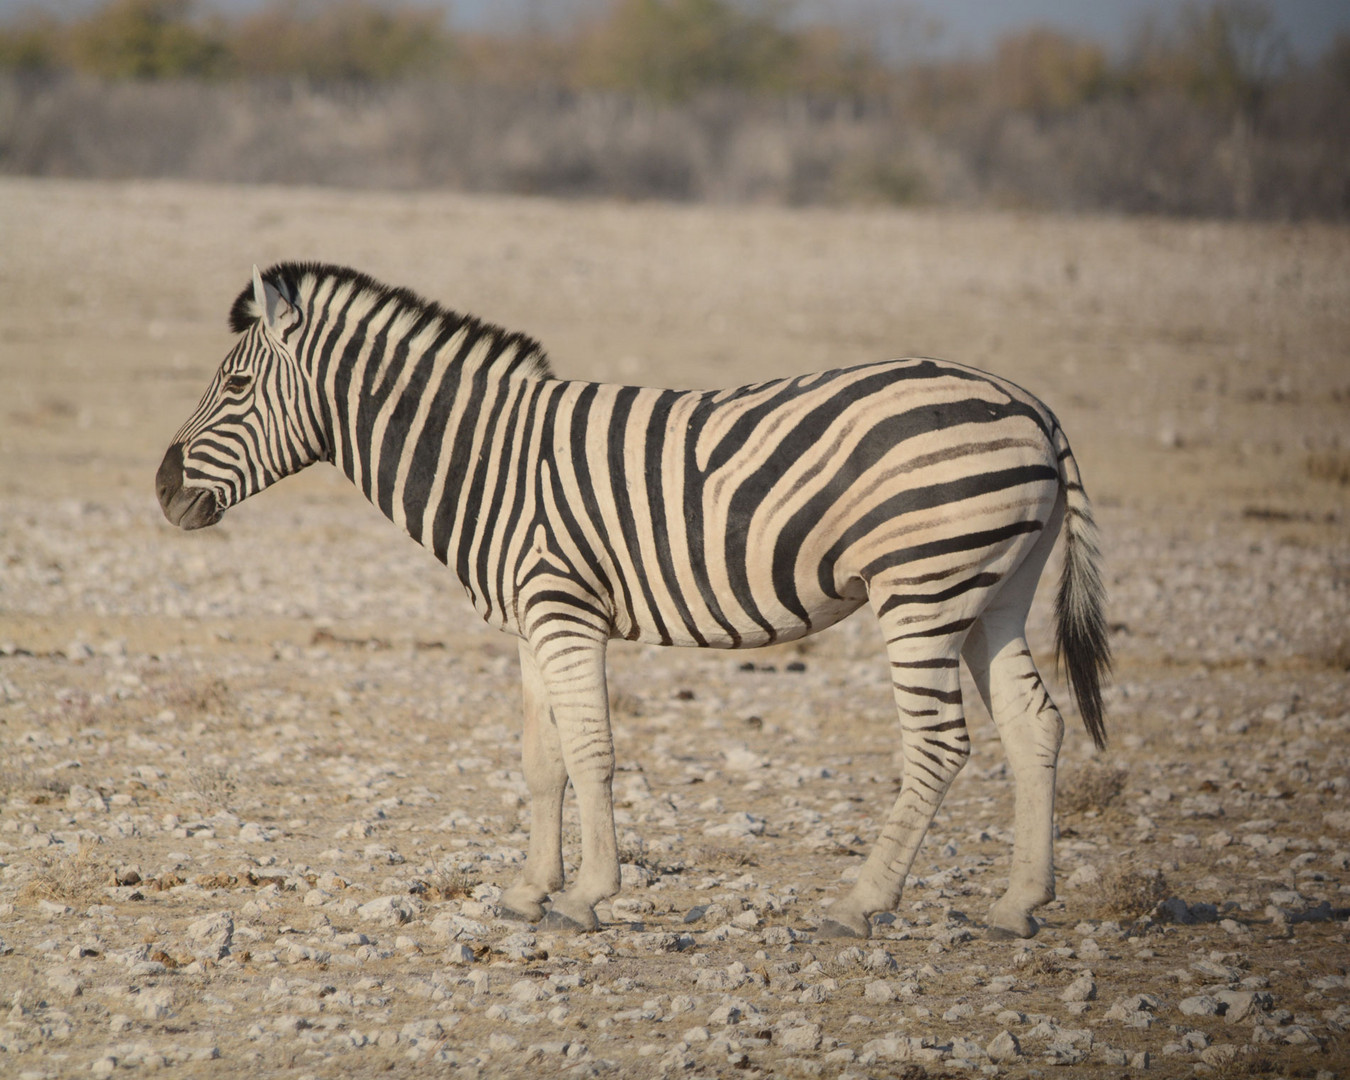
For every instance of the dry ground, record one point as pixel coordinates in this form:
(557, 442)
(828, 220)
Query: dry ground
(259, 784)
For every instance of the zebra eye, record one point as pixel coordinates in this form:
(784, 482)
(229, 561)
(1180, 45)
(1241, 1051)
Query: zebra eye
(237, 383)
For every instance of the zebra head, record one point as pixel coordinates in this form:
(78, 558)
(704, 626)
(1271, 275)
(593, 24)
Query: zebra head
(256, 422)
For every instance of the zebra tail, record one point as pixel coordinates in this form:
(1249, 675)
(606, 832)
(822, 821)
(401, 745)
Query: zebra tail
(1081, 644)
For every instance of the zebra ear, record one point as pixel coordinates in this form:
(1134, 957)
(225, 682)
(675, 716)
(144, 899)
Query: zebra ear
(276, 312)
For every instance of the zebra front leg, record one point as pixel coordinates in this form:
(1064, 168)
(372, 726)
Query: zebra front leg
(572, 669)
(546, 776)
(926, 679)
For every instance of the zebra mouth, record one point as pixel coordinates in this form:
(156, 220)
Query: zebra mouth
(194, 509)
(188, 508)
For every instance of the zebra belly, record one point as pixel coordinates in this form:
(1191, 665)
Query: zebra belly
(750, 635)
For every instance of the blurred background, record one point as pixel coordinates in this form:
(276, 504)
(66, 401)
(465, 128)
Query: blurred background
(1219, 109)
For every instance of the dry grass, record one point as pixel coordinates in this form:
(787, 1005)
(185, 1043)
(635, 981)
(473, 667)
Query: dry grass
(1131, 892)
(448, 883)
(1332, 466)
(78, 879)
(1091, 786)
(205, 697)
(215, 785)
(17, 784)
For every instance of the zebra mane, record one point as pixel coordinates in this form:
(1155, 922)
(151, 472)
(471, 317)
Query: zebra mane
(294, 279)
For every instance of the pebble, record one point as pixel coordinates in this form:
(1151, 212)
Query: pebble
(1199, 1005)
(1004, 1048)
(1083, 988)
(212, 935)
(389, 910)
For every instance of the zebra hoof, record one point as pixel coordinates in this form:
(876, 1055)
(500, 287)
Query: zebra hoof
(561, 922)
(829, 928)
(1005, 933)
(515, 914)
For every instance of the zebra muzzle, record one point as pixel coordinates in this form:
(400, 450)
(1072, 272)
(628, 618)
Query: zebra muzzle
(188, 508)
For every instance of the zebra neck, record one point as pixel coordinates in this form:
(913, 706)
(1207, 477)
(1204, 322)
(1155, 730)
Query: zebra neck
(418, 418)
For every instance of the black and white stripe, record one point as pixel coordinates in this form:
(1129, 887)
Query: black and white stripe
(575, 512)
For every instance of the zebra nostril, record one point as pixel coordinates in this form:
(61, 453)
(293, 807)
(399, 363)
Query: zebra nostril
(169, 477)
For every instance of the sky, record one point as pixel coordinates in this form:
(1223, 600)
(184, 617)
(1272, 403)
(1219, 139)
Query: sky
(962, 26)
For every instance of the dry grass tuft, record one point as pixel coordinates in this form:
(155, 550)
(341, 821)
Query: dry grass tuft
(1332, 466)
(1129, 892)
(1092, 786)
(623, 703)
(17, 784)
(205, 697)
(449, 883)
(78, 879)
(215, 785)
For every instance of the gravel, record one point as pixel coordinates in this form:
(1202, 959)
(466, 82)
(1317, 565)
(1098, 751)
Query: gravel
(260, 786)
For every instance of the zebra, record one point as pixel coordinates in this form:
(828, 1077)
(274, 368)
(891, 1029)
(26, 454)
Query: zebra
(577, 512)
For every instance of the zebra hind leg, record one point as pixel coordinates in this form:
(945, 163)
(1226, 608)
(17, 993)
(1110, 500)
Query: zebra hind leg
(925, 675)
(546, 777)
(1031, 730)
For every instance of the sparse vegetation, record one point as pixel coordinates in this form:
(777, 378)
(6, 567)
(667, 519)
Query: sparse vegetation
(78, 879)
(1131, 892)
(1091, 786)
(1206, 112)
(448, 883)
(214, 785)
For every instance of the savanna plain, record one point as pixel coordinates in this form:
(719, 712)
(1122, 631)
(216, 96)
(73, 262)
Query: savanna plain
(260, 785)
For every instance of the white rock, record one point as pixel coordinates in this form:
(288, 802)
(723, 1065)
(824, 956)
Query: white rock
(53, 910)
(739, 824)
(1004, 1047)
(968, 1050)
(390, 910)
(742, 759)
(526, 990)
(211, 935)
(155, 1004)
(1337, 819)
(1219, 1054)
(458, 954)
(801, 1037)
(633, 876)
(1241, 1004)
(879, 991)
(1199, 1005)
(1211, 969)
(1082, 988)
(1084, 876)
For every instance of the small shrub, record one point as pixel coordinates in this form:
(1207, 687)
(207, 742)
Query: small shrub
(215, 785)
(78, 879)
(1128, 892)
(449, 883)
(1092, 787)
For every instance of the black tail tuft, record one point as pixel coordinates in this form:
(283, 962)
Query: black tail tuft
(1081, 641)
